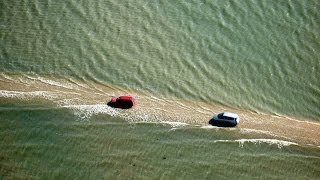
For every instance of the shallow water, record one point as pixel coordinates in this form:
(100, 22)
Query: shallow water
(60, 62)
(41, 142)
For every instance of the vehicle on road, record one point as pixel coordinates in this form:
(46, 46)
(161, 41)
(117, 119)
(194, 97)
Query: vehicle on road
(225, 119)
(123, 102)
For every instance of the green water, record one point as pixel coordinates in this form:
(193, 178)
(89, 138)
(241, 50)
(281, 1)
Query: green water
(260, 55)
(40, 142)
(61, 60)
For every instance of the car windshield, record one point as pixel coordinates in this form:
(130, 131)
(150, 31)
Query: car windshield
(220, 116)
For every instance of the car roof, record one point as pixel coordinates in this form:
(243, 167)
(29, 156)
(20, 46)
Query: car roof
(229, 114)
(126, 98)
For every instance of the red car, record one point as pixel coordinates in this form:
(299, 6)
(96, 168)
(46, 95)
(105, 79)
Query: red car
(123, 102)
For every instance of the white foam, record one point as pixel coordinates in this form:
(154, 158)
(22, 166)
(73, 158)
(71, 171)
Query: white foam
(26, 95)
(84, 112)
(278, 116)
(58, 84)
(175, 124)
(277, 142)
(140, 116)
(313, 145)
(210, 127)
(6, 77)
(247, 131)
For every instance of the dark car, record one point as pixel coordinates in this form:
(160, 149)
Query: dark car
(123, 102)
(225, 119)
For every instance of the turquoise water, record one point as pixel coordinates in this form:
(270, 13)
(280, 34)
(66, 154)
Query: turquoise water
(183, 61)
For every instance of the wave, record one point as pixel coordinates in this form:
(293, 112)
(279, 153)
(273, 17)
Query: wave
(27, 95)
(175, 124)
(279, 143)
(84, 112)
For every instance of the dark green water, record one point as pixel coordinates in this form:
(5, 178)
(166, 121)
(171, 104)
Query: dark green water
(60, 61)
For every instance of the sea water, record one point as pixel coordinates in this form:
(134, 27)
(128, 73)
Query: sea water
(60, 62)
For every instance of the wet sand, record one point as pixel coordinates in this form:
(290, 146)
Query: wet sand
(151, 108)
